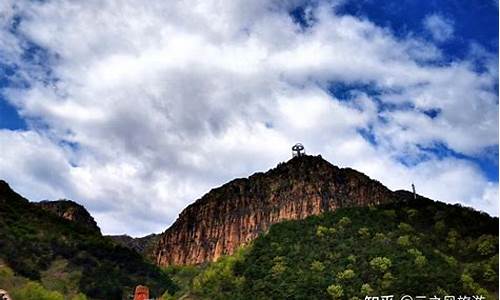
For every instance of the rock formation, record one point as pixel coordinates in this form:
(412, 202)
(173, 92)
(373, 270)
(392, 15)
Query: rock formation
(237, 212)
(71, 211)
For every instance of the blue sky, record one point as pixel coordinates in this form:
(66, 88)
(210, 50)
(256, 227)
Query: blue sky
(106, 104)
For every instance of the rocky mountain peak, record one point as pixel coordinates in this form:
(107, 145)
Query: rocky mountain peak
(71, 211)
(237, 212)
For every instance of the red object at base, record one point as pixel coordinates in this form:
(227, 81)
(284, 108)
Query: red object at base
(141, 293)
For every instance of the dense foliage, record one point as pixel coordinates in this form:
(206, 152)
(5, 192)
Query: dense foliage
(33, 239)
(21, 288)
(417, 247)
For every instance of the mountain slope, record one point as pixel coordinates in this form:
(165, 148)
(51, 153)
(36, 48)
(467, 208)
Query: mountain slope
(143, 245)
(71, 211)
(413, 247)
(237, 212)
(37, 244)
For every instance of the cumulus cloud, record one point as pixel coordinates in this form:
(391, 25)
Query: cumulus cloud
(148, 106)
(439, 27)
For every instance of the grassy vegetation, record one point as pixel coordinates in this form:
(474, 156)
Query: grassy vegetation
(68, 258)
(417, 248)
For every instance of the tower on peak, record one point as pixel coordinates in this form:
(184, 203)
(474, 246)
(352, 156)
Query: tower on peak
(298, 150)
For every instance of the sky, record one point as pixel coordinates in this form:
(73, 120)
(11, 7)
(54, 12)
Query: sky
(137, 108)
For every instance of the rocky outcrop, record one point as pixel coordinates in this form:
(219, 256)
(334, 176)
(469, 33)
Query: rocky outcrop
(71, 211)
(237, 212)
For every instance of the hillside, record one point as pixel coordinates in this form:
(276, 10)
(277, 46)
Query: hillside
(41, 247)
(143, 245)
(71, 211)
(414, 247)
(237, 212)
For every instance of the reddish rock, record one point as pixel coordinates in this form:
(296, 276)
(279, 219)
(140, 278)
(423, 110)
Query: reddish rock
(237, 212)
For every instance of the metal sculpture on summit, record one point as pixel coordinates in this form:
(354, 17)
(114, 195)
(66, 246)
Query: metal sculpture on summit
(298, 150)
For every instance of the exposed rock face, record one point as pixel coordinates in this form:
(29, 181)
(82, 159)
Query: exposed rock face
(240, 210)
(71, 211)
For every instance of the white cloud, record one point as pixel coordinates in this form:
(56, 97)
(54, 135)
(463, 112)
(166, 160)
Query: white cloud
(439, 27)
(166, 101)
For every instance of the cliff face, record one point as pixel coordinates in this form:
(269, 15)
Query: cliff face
(240, 210)
(71, 211)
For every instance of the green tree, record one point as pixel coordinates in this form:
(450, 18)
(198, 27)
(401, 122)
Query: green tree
(381, 264)
(79, 296)
(420, 261)
(352, 258)
(279, 266)
(487, 245)
(471, 286)
(387, 280)
(440, 226)
(366, 290)
(405, 227)
(452, 239)
(345, 275)
(490, 275)
(364, 232)
(345, 221)
(390, 213)
(317, 266)
(335, 290)
(404, 240)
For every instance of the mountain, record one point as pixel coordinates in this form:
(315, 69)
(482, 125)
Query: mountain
(305, 229)
(43, 247)
(406, 247)
(237, 212)
(71, 211)
(144, 245)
